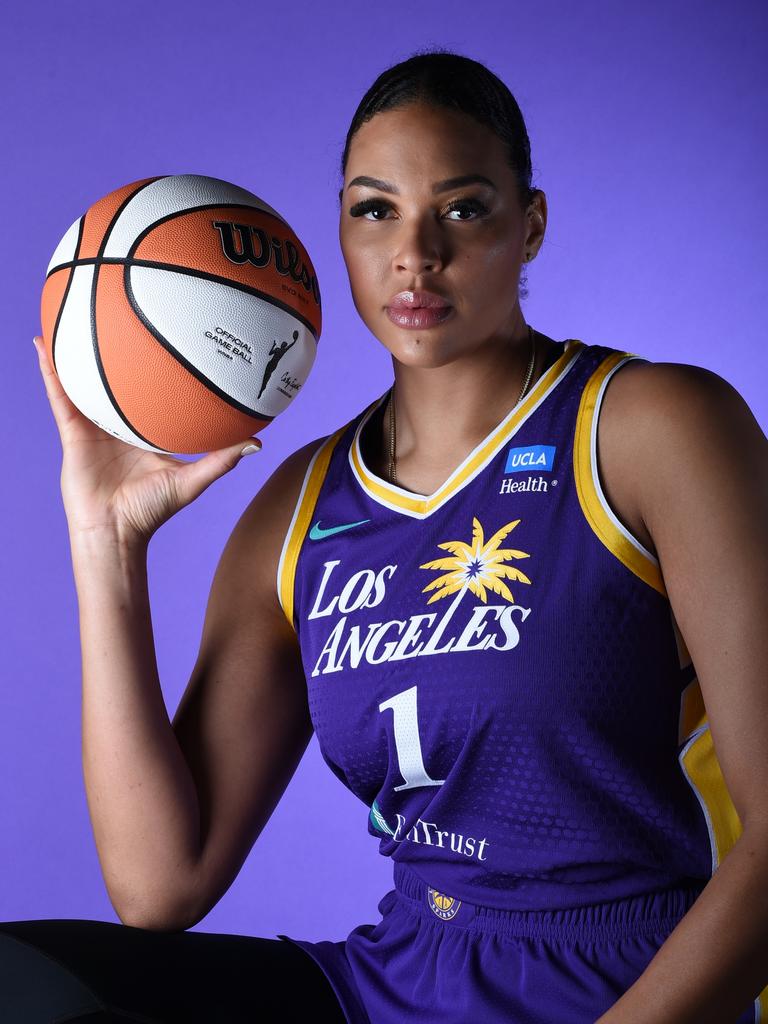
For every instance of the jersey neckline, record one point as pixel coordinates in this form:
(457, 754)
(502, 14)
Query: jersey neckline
(421, 505)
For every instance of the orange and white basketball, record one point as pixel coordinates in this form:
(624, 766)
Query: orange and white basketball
(181, 313)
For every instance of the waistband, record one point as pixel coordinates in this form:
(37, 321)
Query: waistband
(649, 912)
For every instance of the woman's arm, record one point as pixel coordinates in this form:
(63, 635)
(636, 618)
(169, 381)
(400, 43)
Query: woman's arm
(702, 472)
(175, 808)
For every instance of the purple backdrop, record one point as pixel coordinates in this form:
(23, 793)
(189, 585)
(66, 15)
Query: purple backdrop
(647, 131)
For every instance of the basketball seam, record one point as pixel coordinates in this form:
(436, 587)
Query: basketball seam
(94, 334)
(217, 206)
(192, 272)
(190, 367)
(63, 302)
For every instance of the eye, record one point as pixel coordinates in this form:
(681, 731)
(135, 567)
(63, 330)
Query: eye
(366, 206)
(473, 205)
(374, 205)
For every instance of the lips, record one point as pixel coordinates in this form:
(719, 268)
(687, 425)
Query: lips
(417, 300)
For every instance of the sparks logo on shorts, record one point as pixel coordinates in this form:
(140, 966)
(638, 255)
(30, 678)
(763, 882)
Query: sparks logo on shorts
(539, 457)
(445, 907)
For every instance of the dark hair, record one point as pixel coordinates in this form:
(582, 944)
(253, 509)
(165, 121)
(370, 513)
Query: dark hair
(445, 79)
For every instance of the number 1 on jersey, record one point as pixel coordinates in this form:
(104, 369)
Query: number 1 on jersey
(407, 742)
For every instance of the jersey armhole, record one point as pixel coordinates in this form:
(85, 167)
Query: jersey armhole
(300, 522)
(699, 761)
(599, 514)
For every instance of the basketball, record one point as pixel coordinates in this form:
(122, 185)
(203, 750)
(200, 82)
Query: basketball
(181, 313)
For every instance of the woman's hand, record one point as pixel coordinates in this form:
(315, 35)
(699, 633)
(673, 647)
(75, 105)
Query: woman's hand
(112, 486)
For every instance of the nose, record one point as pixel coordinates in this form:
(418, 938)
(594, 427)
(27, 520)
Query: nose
(419, 249)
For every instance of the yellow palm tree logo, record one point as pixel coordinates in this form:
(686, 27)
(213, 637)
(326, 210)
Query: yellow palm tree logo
(479, 566)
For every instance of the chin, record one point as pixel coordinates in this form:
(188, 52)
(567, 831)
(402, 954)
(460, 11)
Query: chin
(421, 350)
(428, 348)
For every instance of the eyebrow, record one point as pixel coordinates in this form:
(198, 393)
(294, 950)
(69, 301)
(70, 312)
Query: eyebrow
(439, 186)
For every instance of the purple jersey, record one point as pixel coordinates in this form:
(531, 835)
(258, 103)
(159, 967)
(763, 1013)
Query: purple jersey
(495, 670)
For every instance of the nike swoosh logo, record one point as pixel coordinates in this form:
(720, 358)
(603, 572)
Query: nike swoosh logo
(317, 532)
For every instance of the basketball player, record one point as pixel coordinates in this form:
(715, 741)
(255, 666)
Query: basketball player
(520, 598)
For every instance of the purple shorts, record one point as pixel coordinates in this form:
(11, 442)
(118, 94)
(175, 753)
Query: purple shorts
(438, 960)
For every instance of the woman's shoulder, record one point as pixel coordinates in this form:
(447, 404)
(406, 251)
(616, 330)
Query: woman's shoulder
(648, 403)
(647, 371)
(653, 412)
(649, 391)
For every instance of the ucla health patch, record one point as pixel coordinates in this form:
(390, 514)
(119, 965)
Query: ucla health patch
(538, 457)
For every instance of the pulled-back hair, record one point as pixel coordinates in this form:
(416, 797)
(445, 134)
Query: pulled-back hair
(445, 79)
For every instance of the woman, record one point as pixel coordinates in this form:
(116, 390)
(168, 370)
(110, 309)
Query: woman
(484, 593)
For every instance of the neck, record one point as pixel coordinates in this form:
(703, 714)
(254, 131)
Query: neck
(442, 413)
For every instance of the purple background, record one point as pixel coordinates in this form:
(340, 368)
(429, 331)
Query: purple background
(647, 131)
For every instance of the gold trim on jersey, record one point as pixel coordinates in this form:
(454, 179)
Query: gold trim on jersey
(421, 505)
(700, 765)
(699, 762)
(600, 516)
(300, 522)
(701, 768)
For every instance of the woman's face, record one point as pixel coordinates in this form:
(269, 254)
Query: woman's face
(466, 242)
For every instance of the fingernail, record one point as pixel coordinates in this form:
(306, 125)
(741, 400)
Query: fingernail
(250, 448)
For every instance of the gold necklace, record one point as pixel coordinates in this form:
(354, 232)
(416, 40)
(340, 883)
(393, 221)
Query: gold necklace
(391, 405)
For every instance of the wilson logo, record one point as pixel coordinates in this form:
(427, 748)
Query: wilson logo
(539, 457)
(246, 243)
